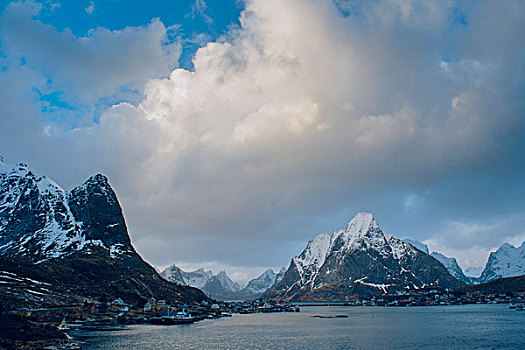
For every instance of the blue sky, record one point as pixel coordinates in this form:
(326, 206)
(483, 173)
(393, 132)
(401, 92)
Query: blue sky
(233, 132)
(192, 19)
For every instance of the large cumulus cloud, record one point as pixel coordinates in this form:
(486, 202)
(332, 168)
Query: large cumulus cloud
(311, 109)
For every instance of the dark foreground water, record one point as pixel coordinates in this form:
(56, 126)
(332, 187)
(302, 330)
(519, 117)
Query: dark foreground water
(438, 327)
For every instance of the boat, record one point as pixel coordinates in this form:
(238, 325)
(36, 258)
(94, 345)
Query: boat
(170, 320)
(63, 325)
(179, 318)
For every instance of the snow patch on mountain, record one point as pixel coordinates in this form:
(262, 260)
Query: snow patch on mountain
(313, 257)
(380, 286)
(421, 246)
(474, 272)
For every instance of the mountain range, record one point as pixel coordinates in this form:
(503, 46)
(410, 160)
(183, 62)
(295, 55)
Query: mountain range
(59, 247)
(221, 286)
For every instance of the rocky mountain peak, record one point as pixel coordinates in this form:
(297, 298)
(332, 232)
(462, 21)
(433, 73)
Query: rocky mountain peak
(362, 232)
(359, 259)
(95, 204)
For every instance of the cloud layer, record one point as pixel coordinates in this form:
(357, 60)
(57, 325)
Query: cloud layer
(311, 111)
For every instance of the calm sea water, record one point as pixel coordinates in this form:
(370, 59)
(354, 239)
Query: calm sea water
(438, 327)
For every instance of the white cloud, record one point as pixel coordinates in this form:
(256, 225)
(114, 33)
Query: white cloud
(90, 8)
(91, 67)
(300, 112)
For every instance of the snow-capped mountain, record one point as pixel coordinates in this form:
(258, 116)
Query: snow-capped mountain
(173, 274)
(221, 286)
(78, 241)
(40, 221)
(506, 261)
(358, 260)
(256, 287)
(197, 278)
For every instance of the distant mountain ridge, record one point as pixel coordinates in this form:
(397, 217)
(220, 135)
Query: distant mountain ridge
(506, 261)
(80, 236)
(358, 261)
(221, 286)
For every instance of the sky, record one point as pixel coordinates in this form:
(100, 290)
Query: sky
(235, 131)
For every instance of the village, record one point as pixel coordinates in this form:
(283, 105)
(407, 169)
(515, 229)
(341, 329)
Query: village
(437, 296)
(117, 312)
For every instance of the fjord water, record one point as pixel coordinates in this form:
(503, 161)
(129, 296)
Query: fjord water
(438, 327)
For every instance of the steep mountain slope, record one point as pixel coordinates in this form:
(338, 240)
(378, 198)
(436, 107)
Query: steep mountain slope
(451, 264)
(506, 261)
(419, 245)
(80, 236)
(358, 261)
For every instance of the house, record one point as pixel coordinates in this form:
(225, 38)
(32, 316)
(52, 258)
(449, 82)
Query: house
(150, 305)
(118, 305)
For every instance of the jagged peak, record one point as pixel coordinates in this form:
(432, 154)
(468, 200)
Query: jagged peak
(362, 228)
(97, 181)
(361, 223)
(318, 245)
(22, 170)
(6, 167)
(98, 178)
(506, 246)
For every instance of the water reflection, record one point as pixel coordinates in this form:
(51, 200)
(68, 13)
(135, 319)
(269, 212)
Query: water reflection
(447, 327)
